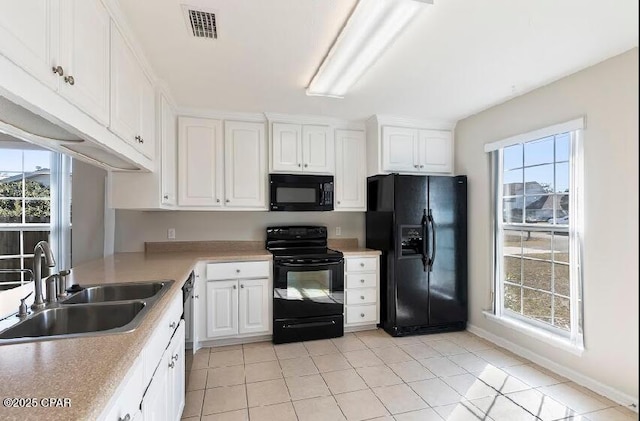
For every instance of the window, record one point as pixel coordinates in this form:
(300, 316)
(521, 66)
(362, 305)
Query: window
(34, 206)
(537, 239)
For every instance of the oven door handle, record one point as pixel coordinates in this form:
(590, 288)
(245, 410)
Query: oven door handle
(307, 265)
(309, 324)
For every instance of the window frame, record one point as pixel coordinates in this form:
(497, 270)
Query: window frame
(574, 337)
(59, 226)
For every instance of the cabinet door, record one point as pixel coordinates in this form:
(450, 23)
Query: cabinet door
(222, 308)
(156, 402)
(168, 142)
(286, 147)
(350, 170)
(126, 97)
(29, 36)
(176, 375)
(317, 149)
(435, 151)
(245, 167)
(84, 52)
(200, 162)
(399, 149)
(147, 142)
(254, 305)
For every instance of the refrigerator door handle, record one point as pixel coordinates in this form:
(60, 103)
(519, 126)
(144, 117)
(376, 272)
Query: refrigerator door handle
(425, 258)
(432, 259)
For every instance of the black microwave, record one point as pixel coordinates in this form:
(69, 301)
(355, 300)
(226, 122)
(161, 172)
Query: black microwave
(292, 192)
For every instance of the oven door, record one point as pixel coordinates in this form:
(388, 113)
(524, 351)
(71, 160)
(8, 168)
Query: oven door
(308, 288)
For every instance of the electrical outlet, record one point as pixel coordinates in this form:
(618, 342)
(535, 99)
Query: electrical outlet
(171, 233)
(338, 231)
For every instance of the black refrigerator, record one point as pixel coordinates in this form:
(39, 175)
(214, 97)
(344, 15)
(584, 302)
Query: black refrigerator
(420, 225)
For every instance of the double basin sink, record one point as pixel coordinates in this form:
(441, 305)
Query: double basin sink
(95, 310)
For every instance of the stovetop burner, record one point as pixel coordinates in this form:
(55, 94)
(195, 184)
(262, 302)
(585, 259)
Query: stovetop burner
(300, 242)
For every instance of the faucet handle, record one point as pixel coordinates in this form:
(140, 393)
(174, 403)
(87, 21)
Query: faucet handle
(23, 311)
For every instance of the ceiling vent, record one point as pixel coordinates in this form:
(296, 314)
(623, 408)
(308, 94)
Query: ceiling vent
(201, 23)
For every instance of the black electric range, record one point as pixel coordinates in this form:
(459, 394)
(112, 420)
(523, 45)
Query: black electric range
(308, 284)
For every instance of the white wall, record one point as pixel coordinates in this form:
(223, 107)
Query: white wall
(133, 228)
(87, 201)
(607, 94)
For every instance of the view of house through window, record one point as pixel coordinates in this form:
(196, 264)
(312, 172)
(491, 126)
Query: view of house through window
(29, 190)
(537, 275)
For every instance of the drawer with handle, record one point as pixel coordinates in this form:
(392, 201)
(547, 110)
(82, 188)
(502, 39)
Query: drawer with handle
(361, 314)
(235, 270)
(362, 264)
(361, 280)
(361, 296)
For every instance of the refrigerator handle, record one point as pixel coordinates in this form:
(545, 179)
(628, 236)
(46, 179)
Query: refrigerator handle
(425, 257)
(432, 259)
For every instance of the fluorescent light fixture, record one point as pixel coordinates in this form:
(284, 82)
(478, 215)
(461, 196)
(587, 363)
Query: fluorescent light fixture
(370, 29)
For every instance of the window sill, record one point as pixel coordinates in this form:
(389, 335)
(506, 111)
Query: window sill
(536, 333)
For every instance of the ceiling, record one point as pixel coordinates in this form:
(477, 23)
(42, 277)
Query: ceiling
(457, 58)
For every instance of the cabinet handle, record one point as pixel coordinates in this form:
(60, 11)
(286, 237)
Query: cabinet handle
(172, 364)
(237, 270)
(172, 325)
(362, 297)
(227, 200)
(362, 281)
(217, 200)
(174, 357)
(338, 202)
(196, 296)
(58, 69)
(421, 166)
(361, 265)
(125, 418)
(416, 166)
(361, 314)
(166, 196)
(241, 286)
(299, 165)
(306, 165)
(70, 80)
(234, 287)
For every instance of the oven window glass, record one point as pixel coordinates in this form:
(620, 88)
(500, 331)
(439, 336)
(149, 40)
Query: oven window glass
(296, 195)
(309, 285)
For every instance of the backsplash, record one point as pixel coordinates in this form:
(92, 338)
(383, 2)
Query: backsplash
(134, 228)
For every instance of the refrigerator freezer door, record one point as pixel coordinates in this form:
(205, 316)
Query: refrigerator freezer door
(448, 276)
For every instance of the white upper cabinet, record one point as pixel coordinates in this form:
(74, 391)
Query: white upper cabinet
(317, 149)
(435, 151)
(200, 162)
(29, 35)
(245, 166)
(169, 143)
(286, 145)
(84, 55)
(407, 146)
(399, 149)
(65, 45)
(297, 148)
(132, 99)
(350, 179)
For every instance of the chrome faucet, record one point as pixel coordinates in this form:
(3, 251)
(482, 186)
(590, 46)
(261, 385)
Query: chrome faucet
(41, 250)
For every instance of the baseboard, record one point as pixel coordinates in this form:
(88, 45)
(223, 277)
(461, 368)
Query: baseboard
(579, 378)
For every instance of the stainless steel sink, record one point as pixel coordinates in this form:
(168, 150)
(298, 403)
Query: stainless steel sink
(96, 310)
(116, 292)
(73, 320)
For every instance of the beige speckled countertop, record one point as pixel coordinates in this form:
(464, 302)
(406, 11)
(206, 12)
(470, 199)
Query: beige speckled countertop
(88, 370)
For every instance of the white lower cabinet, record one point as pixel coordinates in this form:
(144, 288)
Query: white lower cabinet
(164, 399)
(154, 388)
(362, 291)
(238, 300)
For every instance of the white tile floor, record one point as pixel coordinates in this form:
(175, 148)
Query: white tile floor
(372, 376)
